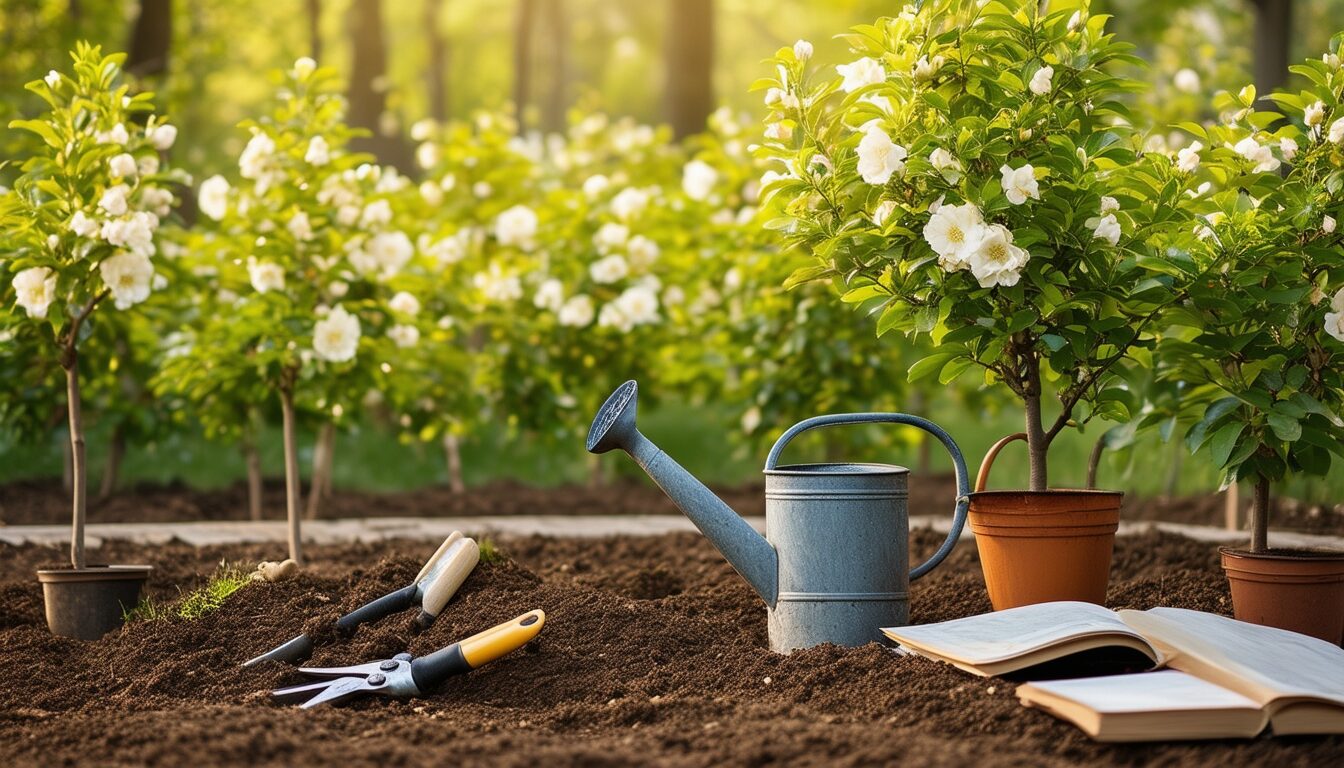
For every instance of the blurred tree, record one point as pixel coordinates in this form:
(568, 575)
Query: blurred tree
(557, 44)
(151, 39)
(437, 74)
(1273, 36)
(689, 62)
(522, 59)
(367, 93)
(315, 29)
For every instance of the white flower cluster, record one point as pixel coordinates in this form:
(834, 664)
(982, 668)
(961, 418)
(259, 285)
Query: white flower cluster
(963, 239)
(1334, 319)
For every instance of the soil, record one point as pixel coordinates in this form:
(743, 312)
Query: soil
(653, 653)
(40, 502)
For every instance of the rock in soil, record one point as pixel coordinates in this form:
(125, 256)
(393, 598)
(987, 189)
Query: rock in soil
(653, 653)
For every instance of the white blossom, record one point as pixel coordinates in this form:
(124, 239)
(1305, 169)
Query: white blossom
(639, 304)
(427, 155)
(1019, 184)
(516, 226)
(1334, 324)
(1109, 204)
(925, 69)
(1328, 224)
(1040, 81)
(113, 200)
(300, 227)
(954, 232)
(128, 275)
(255, 161)
(883, 211)
(1288, 148)
(318, 152)
(35, 289)
(779, 131)
(122, 166)
(996, 261)
(698, 179)
(550, 295)
(116, 135)
(391, 251)
(577, 312)
(265, 276)
(431, 193)
(629, 202)
(404, 336)
(53, 79)
(303, 67)
(338, 288)
(1187, 160)
(1108, 229)
(609, 269)
(336, 336)
(496, 286)
(376, 214)
(860, 73)
(162, 136)
(1314, 114)
(404, 303)
(802, 50)
(610, 237)
(213, 199)
(134, 232)
(1076, 21)
(83, 225)
(879, 157)
(642, 251)
(1258, 153)
(595, 185)
(1186, 80)
(1337, 131)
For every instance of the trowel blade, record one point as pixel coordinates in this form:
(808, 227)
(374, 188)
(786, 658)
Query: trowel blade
(291, 652)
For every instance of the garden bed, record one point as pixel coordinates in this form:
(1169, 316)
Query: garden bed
(653, 652)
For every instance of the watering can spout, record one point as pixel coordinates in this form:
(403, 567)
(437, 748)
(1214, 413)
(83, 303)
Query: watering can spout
(749, 553)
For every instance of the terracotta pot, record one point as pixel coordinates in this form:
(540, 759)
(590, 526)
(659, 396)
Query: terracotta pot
(1298, 590)
(1040, 546)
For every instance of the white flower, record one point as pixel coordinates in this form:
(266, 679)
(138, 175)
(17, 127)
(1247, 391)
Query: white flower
(431, 193)
(213, 199)
(1331, 60)
(1334, 325)
(611, 236)
(1258, 153)
(639, 305)
(1314, 114)
(673, 296)
(1187, 160)
(550, 295)
(954, 232)
(577, 312)
(516, 226)
(1337, 131)
(879, 158)
(496, 286)
(336, 336)
(134, 233)
(117, 135)
(1328, 225)
(122, 166)
(300, 227)
(162, 136)
(1337, 301)
(1186, 80)
(629, 202)
(82, 225)
(53, 79)
(128, 276)
(156, 200)
(611, 316)
(35, 289)
(338, 288)
(608, 270)
(1288, 148)
(404, 336)
(1108, 229)
(404, 303)
(427, 155)
(802, 50)
(482, 189)
(303, 67)
(996, 261)
(391, 250)
(1076, 21)
(883, 211)
(595, 185)
(265, 276)
(698, 179)
(113, 201)
(1019, 184)
(751, 419)
(256, 157)
(376, 213)
(642, 251)
(1109, 204)
(1040, 82)
(925, 69)
(423, 128)
(860, 73)
(780, 131)
(318, 152)
(944, 162)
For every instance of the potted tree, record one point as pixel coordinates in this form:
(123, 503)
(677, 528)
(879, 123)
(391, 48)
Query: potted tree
(1262, 339)
(972, 176)
(78, 234)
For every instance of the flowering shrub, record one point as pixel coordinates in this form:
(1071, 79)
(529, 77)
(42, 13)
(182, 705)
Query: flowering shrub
(971, 176)
(78, 228)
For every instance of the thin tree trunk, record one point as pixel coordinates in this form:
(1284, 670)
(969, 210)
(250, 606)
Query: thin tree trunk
(1037, 445)
(320, 482)
(689, 64)
(116, 451)
(291, 474)
(1273, 37)
(436, 76)
(557, 28)
(68, 465)
(367, 93)
(1094, 461)
(315, 29)
(522, 60)
(452, 450)
(252, 458)
(78, 471)
(151, 39)
(1169, 488)
(1260, 515)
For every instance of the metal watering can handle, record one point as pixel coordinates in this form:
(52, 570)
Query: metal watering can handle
(958, 462)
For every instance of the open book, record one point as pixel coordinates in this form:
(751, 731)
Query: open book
(1223, 678)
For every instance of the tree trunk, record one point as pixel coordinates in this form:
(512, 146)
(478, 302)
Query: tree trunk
(367, 93)
(689, 65)
(1172, 483)
(1037, 444)
(1232, 507)
(252, 458)
(315, 29)
(1273, 35)
(452, 450)
(557, 41)
(320, 482)
(436, 77)
(1260, 515)
(291, 474)
(78, 471)
(67, 466)
(151, 39)
(1094, 461)
(522, 60)
(116, 451)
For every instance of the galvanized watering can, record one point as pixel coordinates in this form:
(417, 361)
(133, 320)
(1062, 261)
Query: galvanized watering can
(833, 566)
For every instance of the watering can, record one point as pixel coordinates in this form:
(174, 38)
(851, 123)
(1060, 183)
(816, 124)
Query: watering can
(833, 565)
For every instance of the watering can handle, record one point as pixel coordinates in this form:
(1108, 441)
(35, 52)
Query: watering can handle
(958, 462)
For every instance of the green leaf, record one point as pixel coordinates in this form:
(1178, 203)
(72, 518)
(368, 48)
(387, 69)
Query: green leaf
(1224, 440)
(806, 275)
(930, 365)
(1285, 427)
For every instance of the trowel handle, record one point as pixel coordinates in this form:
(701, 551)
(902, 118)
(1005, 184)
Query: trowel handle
(458, 563)
(447, 544)
(958, 463)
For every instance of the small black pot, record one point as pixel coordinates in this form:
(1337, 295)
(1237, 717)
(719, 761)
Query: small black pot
(87, 603)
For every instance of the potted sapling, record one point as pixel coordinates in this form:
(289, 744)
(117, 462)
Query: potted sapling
(77, 240)
(1262, 340)
(970, 177)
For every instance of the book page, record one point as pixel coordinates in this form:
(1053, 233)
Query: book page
(1163, 691)
(1262, 663)
(1003, 635)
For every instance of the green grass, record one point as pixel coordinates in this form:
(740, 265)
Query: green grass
(490, 552)
(223, 583)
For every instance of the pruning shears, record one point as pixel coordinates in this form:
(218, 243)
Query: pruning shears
(403, 675)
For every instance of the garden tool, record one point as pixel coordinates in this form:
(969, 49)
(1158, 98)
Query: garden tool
(432, 588)
(403, 675)
(834, 569)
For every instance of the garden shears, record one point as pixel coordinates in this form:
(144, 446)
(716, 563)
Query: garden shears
(403, 675)
(431, 590)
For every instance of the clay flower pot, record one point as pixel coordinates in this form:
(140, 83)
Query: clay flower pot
(1298, 590)
(87, 603)
(1040, 546)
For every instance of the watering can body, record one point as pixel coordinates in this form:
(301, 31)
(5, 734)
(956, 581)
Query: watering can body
(833, 566)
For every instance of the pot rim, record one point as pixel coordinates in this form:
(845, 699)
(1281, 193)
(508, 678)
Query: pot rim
(94, 573)
(1056, 492)
(1299, 554)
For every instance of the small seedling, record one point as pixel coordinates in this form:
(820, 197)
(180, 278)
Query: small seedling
(226, 580)
(490, 552)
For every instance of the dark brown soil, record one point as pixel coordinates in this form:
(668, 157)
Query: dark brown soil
(653, 653)
(38, 502)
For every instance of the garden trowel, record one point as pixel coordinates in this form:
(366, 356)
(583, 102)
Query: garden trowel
(432, 588)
